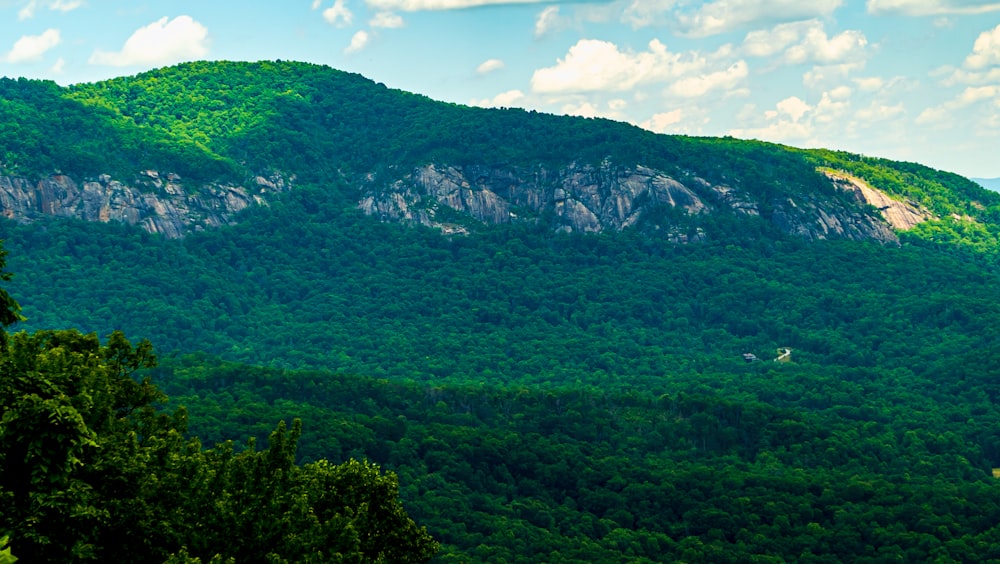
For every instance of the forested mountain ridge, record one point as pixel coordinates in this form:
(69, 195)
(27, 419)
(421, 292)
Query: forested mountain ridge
(230, 132)
(544, 393)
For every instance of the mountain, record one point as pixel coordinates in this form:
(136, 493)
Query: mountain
(545, 326)
(989, 183)
(225, 136)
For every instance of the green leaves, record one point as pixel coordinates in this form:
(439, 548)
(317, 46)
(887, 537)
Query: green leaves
(90, 470)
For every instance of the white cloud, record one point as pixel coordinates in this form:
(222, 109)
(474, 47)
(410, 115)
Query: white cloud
(643, 13)
(338, 14)
(985, 51)
(489, 66)
(65, 5)
(502, 100)
(548, 20)
(841, 93)
(32, 47)
(164, 41)
(58, 67)
(931, 7)
(933, 116)
(582, 109)
(816, 47)
(879, 112)
(960, 77)
(972, 95)
(823, 76)
(700, 85)
(663, 122)
(870, 83)
(358, 42)
(28, 11)
(795, 121)
(982, 65)
(805, 42)
(792, 107)
(764, 43)
(727, 15)
(592, 65)
(948, 113)
(422, 5)
(386, 20)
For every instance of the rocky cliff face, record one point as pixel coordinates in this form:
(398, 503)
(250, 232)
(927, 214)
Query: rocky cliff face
(586, 198)
(573, 198)
(157, 202)
(899, 214)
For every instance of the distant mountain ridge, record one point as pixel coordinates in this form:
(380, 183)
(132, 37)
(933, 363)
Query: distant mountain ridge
(223, 126)
(988, 183)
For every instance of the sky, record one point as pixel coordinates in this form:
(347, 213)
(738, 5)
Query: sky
(913, 80)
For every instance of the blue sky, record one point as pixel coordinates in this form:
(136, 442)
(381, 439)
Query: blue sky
(915, 80)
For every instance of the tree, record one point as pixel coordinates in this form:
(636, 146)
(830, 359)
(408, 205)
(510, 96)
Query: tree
(10, 310)
(92, 469)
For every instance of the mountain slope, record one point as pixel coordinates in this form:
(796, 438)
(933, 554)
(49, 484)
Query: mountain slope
(545, 393)
(402, 156)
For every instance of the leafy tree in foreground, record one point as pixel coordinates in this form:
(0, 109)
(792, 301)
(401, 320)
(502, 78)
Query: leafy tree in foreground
(90, 470)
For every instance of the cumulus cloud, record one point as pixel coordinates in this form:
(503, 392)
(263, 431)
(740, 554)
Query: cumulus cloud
(164, 41)
(933, 116)
(792, 107)
(663, 122)
(816, 47)
(422, 5)
(699, 85)
(869, 83)
(28, 11)
(823, 76)
(931, 7)
(806, 42)
(593, 65)
(338, 14)
(503, 100)
(780, 130)
(358, 42)
(386, 20)
(985, 51)
(981, 66)
(721, 16)
(489, 66)
(31, 48)
(796, 121)
(879, 112)
(953, 76)
(643, 13)
(548, 20)
(944, 114)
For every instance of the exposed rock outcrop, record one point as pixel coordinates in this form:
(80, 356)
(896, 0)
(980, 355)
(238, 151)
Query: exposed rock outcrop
(899, 214)
(157, 202)
(608, 197)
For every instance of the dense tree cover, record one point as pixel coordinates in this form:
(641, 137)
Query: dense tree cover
(232, 120)
(541, 397)
(578, 398)
(226, 118)
(307, 284)
(966, 215)
(45, 133)
(91, 470)
(766, 462)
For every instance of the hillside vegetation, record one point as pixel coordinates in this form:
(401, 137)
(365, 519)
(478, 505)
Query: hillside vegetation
(541, 396)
